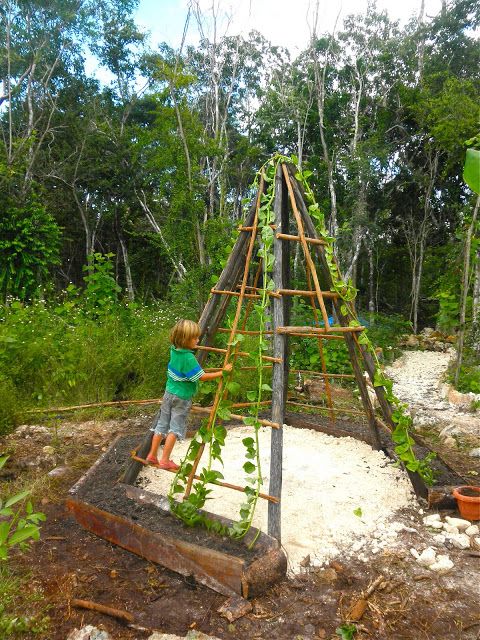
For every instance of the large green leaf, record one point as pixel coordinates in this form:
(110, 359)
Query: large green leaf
(471, 170)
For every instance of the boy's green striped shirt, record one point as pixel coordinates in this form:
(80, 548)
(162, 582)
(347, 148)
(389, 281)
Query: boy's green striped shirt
(183, 373)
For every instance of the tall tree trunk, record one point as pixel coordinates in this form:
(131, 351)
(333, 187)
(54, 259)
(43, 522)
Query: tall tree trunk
(464, 291)
(320, 74)
(421, 42)
(371, 279)
(476, 290)
(177, 264)
(126, 261)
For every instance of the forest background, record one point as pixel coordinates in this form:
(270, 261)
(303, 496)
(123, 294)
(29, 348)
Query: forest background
(120, 203)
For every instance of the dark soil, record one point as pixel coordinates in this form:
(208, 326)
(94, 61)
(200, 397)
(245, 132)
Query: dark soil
(68, 562)
(471, 493)
(102, 490)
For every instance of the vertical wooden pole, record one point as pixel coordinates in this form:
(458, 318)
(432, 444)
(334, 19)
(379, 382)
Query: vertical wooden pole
(215, 309)
(280, 369)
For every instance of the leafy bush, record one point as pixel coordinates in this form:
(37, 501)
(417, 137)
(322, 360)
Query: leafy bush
(17, 526)
(469, 377)
(386, 331)
(29, 247)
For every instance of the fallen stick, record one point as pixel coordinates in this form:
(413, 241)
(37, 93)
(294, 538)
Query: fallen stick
(360, 606)
(101, 608)
(219, 483)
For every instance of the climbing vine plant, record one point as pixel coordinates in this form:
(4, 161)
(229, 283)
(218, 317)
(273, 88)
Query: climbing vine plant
(189, 510)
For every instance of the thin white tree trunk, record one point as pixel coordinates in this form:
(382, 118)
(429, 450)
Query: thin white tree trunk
(177, 264)
(320, 75)
(421, 43)
(371, 278)
(464, 291)
(476, 289)
(126, 264)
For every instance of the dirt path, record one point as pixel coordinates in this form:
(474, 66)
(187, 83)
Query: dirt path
(419, 377)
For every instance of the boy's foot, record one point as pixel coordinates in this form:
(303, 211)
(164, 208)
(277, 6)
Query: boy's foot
(152, 460)
(169, 465)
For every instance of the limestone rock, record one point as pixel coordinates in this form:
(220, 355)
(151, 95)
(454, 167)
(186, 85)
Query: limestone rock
(427, 557)
(442, 565)
(34, 431)
(450, 442)
(431, 519)
(88, 633)
(460, 523)
(472, 530)
(439, 538)
(460, 541)
(412, 341)
(58, 472)
(48, 450)
(475, 453)
(427, 332)
(450, 529)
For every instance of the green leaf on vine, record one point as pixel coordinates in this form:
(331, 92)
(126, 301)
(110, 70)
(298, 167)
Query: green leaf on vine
(249, 467)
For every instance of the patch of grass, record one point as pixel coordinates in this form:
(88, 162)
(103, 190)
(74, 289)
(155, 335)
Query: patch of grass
(20, 594)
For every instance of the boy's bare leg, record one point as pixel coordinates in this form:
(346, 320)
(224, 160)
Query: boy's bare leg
(168, 446)
(156, 441)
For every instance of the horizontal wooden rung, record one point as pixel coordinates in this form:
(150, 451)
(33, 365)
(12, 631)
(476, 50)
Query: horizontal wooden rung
(219, 483)
(238, 353)
(245, 333)
(319, 336)
(286, 236)
(304, 292)
(236, 416)
(245, 295)
(324, 375)
(242, 228)
(319, 331)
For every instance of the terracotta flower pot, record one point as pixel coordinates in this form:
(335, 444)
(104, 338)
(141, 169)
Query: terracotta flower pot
(468, 501)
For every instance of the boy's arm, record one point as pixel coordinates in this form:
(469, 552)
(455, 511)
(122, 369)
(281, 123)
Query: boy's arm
(215, 374)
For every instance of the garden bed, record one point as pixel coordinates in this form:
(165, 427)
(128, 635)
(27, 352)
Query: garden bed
(141, 523)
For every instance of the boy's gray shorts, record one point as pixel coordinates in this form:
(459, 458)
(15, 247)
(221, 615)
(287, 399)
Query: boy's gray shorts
(173, 416)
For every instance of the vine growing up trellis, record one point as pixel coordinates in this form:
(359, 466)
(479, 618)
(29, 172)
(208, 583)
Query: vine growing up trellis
(212, 434)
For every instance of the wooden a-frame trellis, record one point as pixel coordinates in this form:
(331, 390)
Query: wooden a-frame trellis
(236, 281)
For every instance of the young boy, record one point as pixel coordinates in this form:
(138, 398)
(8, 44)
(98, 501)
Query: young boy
(183, 374)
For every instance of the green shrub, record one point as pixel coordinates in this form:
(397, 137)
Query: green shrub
(63, 353)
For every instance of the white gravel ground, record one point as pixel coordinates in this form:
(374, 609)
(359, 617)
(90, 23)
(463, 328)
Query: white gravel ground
(325, 479)
(418, 377)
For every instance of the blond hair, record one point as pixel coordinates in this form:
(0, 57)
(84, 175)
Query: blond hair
(183, 332)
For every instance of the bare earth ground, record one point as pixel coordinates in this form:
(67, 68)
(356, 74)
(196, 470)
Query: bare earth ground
(410, 602)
